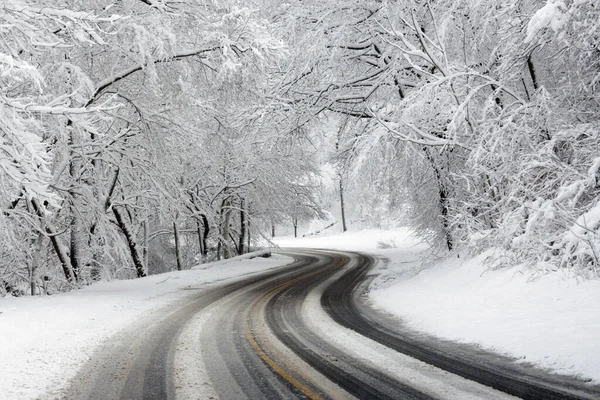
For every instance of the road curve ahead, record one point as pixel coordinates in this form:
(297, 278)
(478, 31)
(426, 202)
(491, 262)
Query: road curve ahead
(302, 331)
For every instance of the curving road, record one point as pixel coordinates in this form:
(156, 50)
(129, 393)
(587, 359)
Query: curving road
(302, 331)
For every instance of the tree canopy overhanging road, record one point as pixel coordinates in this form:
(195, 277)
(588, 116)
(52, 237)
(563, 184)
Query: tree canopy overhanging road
(301, 331)
(136, 135)
(139, 137)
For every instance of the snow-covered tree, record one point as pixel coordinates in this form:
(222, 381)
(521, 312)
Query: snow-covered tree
(464, 98)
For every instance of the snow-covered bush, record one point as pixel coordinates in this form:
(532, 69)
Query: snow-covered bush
(572, 29)
(386, 244)
(557, 215)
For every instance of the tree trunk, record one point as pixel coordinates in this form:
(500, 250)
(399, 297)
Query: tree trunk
(35, 261)
(444, 212)
(242, 228)
(177, 248)
(235, 243)
(342, 205)
(76, 230)
(105, 199)
(248, 235)
(135, 255)
(59, 249)
(93, 265)
(205, 235)
(146, 229)
(75, 245)
(200, 238)
(272, 230)
(225, 216)
(443, 199)
(531, 68)
(295, 222)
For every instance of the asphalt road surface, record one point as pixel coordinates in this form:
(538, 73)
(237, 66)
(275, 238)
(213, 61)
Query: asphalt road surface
(301, 331)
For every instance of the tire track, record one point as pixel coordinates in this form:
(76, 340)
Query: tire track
(343, 302)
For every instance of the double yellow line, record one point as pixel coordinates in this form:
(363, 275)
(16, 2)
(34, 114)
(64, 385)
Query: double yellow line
(281, 367)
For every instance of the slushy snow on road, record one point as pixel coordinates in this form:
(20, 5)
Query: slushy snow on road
(550, 320)
(46, 339)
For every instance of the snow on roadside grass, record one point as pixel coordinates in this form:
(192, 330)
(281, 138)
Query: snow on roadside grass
(365, 240)
(553, 322)
(45, 340)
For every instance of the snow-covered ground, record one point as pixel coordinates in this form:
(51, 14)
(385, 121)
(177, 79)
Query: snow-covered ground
(45, 340)
(552, 321)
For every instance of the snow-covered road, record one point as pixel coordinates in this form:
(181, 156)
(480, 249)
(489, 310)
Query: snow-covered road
(47, 340)
(44, 341)
(303, 330)
(258, 339)
(551, 320)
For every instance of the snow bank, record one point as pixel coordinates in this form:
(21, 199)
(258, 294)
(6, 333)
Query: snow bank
(45, 340)
(553, 322)
(265, 253)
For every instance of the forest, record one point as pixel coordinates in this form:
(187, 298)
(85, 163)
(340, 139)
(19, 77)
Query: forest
(140, 136)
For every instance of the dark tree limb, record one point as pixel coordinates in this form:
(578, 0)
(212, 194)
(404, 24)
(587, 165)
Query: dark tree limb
(131, 244)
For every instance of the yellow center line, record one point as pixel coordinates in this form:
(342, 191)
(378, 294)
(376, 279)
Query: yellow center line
(282, 371)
